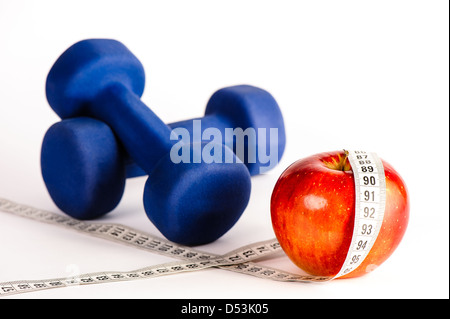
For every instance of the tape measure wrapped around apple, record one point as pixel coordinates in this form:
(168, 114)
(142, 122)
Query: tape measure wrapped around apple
(313, 213)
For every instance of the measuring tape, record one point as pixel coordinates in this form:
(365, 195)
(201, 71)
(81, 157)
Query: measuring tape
(370, 190)
(370, 204)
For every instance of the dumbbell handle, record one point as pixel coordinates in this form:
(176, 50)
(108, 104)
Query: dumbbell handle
(145, 137)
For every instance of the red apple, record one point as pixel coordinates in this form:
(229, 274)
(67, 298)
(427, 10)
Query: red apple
(313, 213)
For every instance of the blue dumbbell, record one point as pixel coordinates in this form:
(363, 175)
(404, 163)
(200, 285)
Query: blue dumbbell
(251, 107)
(190, 204)
(228, 108)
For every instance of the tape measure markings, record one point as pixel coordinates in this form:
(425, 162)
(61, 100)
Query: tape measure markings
(370, 191)
(370, 200)
(236, 260)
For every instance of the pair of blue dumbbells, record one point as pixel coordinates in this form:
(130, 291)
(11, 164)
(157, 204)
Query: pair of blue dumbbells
(108, 134)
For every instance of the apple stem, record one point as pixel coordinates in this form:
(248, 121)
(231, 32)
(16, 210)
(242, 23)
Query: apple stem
(344, 161)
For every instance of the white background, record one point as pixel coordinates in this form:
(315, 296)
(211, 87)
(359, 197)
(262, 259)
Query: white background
(347, 74)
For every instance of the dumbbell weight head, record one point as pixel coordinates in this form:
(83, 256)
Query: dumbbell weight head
(249, 107)
(87, 68)
(83, 167)
(183, 217)
(146, 138)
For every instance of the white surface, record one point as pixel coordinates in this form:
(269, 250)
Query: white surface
(329, 64)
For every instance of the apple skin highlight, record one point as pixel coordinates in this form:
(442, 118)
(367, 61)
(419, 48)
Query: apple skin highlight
(313, 213)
